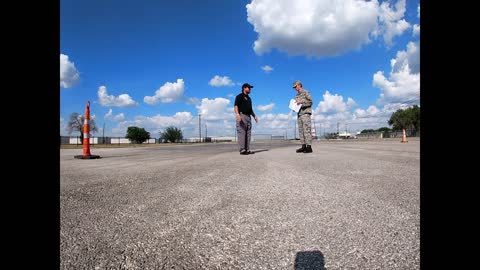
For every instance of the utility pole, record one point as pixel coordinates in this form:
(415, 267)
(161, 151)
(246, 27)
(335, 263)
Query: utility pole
(103, 133)
(338, 126)
(199, 128)
(206, 131)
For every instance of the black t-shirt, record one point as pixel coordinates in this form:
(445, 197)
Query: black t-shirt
(244, 104)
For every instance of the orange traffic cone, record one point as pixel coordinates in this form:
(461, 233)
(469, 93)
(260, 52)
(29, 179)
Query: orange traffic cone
(404, 137)
(86, 137)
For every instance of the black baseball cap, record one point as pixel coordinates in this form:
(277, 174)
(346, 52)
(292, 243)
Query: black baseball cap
(247, 85)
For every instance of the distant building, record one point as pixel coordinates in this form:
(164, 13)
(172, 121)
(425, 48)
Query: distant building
(345, 135)
(210, 139)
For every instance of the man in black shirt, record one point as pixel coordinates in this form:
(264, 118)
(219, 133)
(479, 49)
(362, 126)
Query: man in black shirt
(243, 110)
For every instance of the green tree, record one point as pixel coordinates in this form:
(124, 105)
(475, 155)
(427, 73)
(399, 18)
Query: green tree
(137, 135)
(399, 120)
(415, 110)
(172, 134)
(406, 119)
(367, 131)
(384, 129)
(76, 124)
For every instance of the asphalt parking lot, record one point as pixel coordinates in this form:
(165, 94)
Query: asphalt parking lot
(348, 205)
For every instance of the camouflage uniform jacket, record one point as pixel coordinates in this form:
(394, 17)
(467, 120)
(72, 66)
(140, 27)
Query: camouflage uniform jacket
(304, 96)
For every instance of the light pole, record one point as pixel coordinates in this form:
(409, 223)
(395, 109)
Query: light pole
(199, 128)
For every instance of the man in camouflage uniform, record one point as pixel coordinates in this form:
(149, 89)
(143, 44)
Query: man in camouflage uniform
(304, 117)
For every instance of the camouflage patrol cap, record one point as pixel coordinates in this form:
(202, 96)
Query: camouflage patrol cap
(297, 82)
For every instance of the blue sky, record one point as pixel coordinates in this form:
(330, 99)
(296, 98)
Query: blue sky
(155, 64)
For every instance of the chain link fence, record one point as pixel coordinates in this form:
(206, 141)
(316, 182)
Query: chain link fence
(76, 140)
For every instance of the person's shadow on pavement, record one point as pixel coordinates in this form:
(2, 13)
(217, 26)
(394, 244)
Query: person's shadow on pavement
(257, 150)
(309, 260)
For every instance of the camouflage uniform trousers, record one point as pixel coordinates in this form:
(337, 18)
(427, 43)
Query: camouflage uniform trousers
(305, 129)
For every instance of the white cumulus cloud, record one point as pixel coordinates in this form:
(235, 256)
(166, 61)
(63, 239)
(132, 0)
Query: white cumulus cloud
(409, 58)
(108, 115)
(403, 82)
(123, 100)
(215, 109)
(267, 68)
(219, 81)
(351, 103)
(332, 104)
(416, 30)
(264, 108)
(191, 101)
(169, 92)
(320, 28)
(276, 123)
(371, 111)
(312, 27)
(119, 117)
(69, 75)
(391, 22)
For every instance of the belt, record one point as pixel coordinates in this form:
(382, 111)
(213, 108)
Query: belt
(245, 113)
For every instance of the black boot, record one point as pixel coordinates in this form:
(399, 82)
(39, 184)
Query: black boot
(301, 149)
(308, 149)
